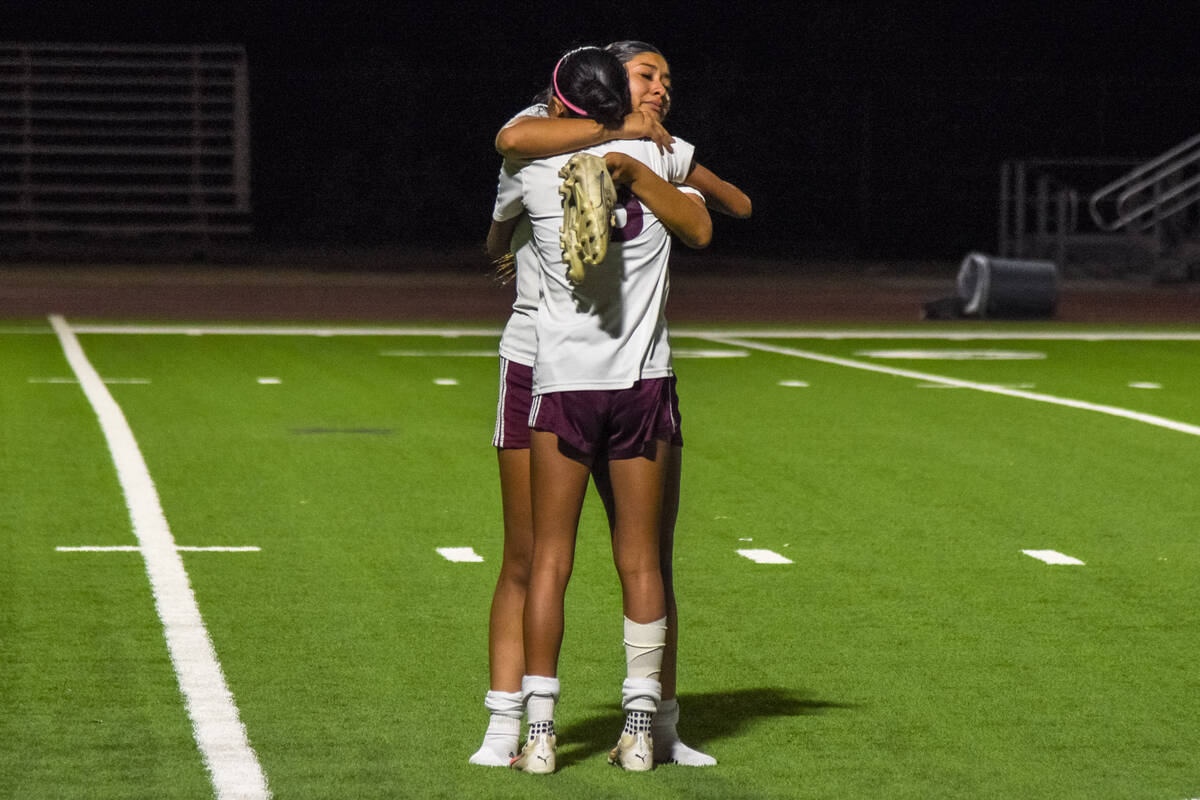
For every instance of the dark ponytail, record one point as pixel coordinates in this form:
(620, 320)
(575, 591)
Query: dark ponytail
(593, 83)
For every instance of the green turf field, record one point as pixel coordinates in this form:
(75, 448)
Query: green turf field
(909, 648)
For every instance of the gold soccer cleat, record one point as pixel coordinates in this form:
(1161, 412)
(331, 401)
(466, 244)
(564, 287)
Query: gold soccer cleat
(634, 752)
(588, 197)
(537, 756)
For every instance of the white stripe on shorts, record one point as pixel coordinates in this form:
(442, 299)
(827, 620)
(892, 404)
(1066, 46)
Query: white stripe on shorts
(534, 406)
(498, 433)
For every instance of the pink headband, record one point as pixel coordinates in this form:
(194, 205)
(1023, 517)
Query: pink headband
(558, 93)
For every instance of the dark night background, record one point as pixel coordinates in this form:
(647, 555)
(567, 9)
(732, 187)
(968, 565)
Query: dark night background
(860, 129)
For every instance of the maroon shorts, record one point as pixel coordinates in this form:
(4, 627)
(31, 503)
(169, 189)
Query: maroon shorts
(612, 424)
(512, 410)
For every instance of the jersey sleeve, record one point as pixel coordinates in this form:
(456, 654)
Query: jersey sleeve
(679, 163)
(508, 192)
(689, 190)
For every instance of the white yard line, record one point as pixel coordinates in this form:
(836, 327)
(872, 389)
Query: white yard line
(282, 330)
(1054, 557)
(220, 735)
(761, 556)
(932, 334)
(1136, 416)
(463, 554)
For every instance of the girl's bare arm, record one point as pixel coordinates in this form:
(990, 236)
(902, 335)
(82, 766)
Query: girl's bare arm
(683, 214)
(721, 195)
(539, 137)
(499, 236)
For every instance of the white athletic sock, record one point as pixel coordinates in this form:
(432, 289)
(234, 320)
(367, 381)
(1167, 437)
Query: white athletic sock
(641, 694)
(503, 732)
(667, 746)
(541, 693)
(637, 722)
(667, 717)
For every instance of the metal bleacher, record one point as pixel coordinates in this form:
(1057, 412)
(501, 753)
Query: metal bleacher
(123, 141)
(1145, 222)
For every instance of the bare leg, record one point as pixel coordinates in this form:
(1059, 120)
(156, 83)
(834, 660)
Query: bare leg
(638, 486)
(667, 745)
(506, 650)
(666, 547)
(558, 482)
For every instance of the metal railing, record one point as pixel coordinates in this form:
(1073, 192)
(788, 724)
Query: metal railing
(1152, 193)
(108, 139)
(1040, 205)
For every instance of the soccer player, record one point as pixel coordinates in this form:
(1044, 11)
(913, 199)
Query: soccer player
(542, 135)
(513, 236)
(603, 393)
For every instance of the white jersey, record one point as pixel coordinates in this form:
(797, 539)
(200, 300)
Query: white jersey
(518, 342)
(610, 331)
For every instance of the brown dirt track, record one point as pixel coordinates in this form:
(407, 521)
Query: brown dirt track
(423, 287)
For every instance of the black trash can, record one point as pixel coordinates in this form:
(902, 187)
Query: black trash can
(1006, 288)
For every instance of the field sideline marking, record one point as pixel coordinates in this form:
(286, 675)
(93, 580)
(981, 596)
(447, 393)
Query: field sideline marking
(284, 330)
(683, 332)
(955, 355)
(108, 381)
(953, 336)
(1136, 416)
(677, 352)
(133, 548)
(220, 735)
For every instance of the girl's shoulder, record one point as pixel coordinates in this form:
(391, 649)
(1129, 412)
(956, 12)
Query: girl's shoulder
(535, 110)
(670, 165)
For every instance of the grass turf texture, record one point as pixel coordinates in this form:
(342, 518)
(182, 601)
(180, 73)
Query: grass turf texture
(911, 651)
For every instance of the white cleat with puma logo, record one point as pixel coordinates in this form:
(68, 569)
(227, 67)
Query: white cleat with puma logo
(537, 756)
(634, 752)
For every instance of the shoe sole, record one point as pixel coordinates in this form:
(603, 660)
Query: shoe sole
(588, 197)
(535, 769)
